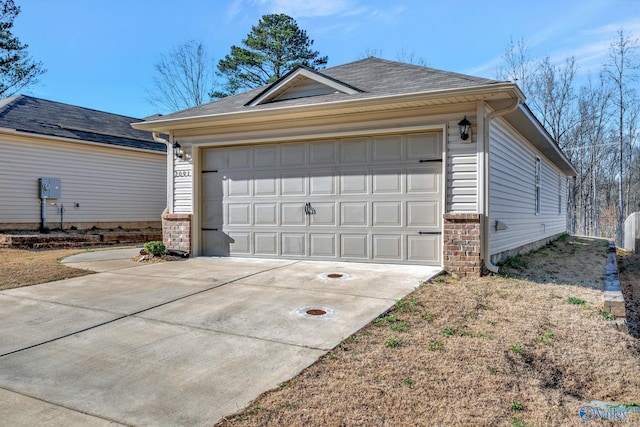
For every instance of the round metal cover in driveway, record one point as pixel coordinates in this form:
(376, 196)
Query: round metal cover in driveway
(315, 312)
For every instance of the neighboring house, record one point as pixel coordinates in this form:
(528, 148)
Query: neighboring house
(365, 162)
(110, 175)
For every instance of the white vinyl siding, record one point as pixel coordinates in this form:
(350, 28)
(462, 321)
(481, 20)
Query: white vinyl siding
(512, 198)
(462, 169)
(182, 187)
(110, 185)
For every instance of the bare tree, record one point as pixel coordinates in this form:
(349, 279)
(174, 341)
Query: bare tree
(621, 70)
(553, 97)
(410, 58)
(183, 77)
(518, 66)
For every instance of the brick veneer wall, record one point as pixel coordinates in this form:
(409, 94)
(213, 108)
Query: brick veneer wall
(462, 244)
(176, 231)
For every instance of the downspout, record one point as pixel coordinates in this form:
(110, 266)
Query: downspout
(485, 140)
(156, 138)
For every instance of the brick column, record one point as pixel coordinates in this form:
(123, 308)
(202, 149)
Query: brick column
(176, 231)
(462, 244)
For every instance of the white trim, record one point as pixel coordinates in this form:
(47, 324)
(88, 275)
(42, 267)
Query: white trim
(327, 135)
(281, 87)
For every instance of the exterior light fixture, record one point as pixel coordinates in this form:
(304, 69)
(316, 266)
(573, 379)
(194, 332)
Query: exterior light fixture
(465, 128)
(177, 150)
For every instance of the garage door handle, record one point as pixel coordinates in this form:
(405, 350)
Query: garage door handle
(209, 229)
(308, 210)
(430, 160)
(429, 232)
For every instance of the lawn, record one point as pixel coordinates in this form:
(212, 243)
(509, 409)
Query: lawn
(25, 267)
(528, 347)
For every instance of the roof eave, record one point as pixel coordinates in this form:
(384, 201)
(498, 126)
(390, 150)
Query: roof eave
(16, 132)
(483, 91)
(531, 128)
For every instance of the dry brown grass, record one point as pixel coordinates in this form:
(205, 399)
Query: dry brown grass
(489, 351)
(22, 267)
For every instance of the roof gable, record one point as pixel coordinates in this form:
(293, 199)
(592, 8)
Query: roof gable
(39, 116)
(301, 82)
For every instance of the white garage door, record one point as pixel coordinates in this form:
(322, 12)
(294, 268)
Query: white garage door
(369, 199)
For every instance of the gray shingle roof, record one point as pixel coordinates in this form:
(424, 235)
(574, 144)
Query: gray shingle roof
(39, 116)
(374, 77)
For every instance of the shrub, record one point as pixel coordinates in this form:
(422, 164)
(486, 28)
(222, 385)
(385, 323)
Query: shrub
(155, 248)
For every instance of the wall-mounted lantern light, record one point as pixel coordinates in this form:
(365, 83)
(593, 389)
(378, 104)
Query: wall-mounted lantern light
(465, 128)
(177, 150)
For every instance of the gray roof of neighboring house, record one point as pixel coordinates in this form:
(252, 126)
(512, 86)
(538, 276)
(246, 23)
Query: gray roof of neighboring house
(374, 77)
(39, 116)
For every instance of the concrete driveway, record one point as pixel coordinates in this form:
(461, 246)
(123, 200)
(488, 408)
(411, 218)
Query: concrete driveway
(177, 343)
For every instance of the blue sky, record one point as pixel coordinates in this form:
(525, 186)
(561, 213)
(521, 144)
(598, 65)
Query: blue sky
(100, 54)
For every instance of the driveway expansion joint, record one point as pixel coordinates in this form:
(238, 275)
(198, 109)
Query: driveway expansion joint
(59, 405)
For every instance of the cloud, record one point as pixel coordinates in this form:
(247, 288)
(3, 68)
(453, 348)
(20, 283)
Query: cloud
(309, 8)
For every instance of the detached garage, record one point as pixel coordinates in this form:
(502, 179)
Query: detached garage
(372, 161)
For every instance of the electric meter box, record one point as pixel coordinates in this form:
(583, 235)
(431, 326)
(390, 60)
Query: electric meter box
(50, 188)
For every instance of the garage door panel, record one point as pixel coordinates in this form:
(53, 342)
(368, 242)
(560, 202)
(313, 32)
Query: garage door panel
(423, 146)
(213, 215)
(294, 244)
(322, 184)
(293, 154)
(240, 243)
(424, 180)
(354, 150)
(424, 248)
(354, 246)
(387, 148)
(322, 245)
(322, 153)
(423, 214)
(266, 156)
(387, 181)
(240, 157)
(354, 214)
(293, 214)
(214, 160)
(239, 186)
(265, 186)
(323, 214)
(387, 247)
(293, 184)
(212, 186)
(266, 243)
(216, 243)
(265, 214)
(387, 214)
(354, 182)
(238, 214)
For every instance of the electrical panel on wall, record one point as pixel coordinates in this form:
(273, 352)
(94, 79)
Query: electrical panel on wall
(50, 188)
